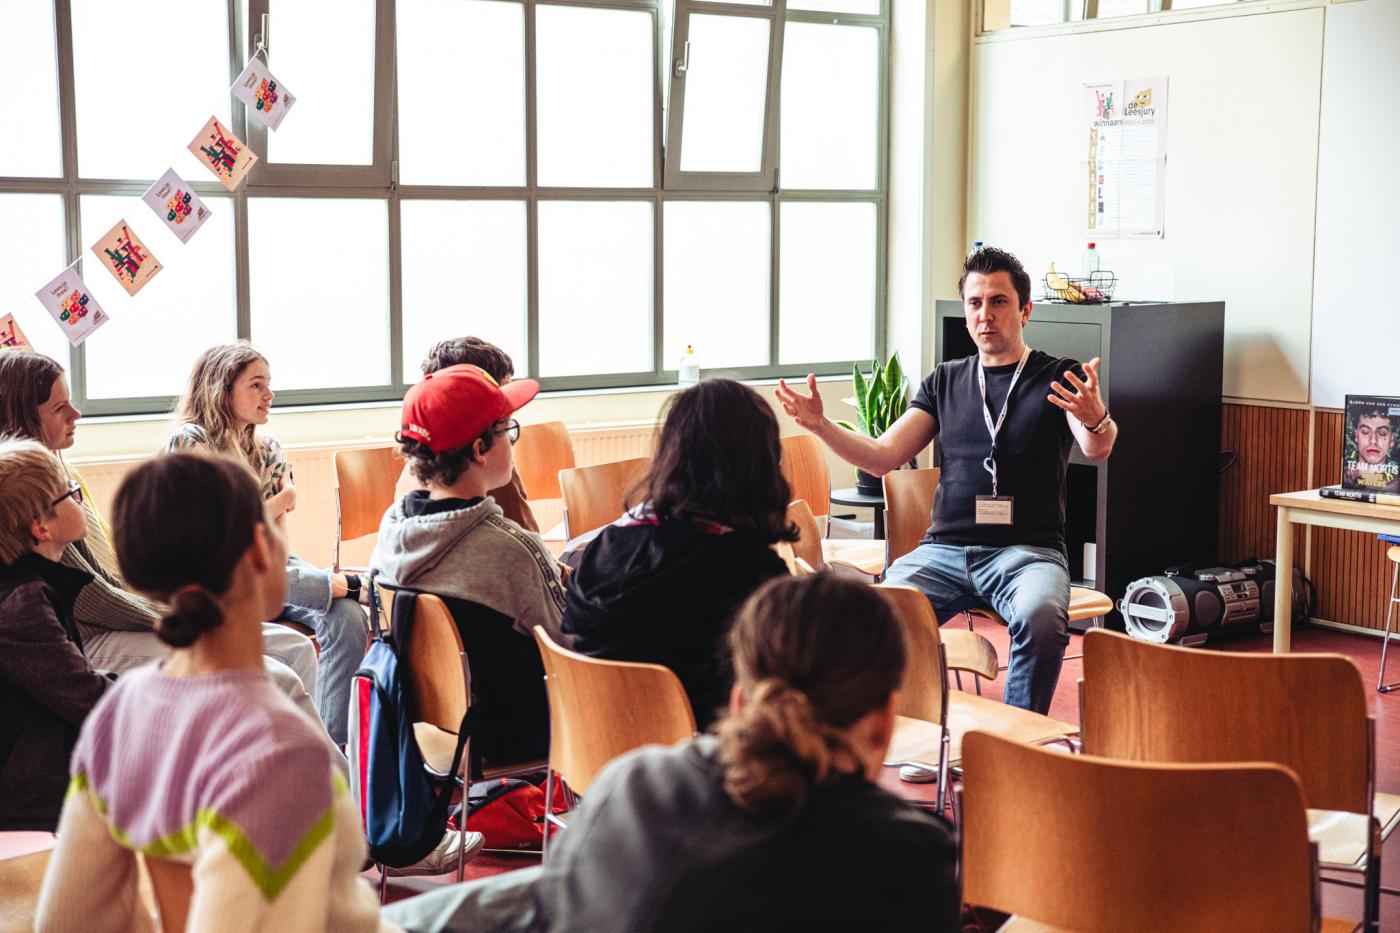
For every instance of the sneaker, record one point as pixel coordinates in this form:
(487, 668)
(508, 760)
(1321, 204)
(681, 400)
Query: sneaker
(917, 774)
(443, 859)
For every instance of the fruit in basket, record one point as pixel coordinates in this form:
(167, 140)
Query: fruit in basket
(1062, 287)
(1055, 280)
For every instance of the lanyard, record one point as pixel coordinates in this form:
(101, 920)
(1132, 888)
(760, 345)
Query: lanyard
(990, 464)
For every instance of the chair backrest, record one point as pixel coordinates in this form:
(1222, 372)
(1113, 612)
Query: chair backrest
(1092, 844)
(173, 886)
(923, 693)
(365, 478)
(808, 545)
(595, 495)
(600, 709)
(542, 451)
(806, 470)
(908, 509)
(1149, 702)
(437, 678)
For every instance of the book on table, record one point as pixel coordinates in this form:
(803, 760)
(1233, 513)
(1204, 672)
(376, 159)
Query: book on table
(1370, 460)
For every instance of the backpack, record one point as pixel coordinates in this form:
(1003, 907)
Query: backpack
(402, 807)
(509, 812)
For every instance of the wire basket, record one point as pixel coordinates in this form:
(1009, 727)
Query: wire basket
(1094, 288)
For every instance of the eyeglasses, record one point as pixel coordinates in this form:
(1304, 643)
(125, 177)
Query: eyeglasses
(75, 492)
(511, 431)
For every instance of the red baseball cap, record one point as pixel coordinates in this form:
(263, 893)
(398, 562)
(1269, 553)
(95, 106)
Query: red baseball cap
(455, 405)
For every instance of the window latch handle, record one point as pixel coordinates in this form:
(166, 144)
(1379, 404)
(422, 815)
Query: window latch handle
(683, 63)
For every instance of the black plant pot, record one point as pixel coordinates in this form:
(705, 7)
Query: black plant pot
(868, 484)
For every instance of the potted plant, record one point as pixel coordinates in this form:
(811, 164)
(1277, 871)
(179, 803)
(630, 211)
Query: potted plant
(880, 399)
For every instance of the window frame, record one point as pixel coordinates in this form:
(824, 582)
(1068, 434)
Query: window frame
(379, 181)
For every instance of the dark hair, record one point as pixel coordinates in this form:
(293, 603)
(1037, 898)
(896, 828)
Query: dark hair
(444, 468)
(812, 655)
(207, 508)
(495, 361)
(719, 458)
(26, 382)
(989, 259)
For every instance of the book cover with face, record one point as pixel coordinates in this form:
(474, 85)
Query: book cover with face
(122, 253)
(223, 153)
(176, 204)
(265, 97)
(11, 337)
(72, 305)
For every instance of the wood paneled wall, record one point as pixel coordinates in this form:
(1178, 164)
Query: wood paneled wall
(1273, 453)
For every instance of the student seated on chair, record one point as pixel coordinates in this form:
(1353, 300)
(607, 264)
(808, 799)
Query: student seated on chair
(47, 687)
(450, 539)
(1005, 419)
(200, 759)
(773, 823)
(661, 584)
(117, 628)
(499, 366)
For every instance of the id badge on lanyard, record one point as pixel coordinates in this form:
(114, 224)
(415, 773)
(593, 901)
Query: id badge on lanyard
(996, 509)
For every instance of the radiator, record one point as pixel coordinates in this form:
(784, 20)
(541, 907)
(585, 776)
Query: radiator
(611, 442)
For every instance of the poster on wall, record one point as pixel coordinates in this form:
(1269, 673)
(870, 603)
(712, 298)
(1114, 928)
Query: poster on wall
(11, 337)
(262, 94)
(1126, 168)
(72, 305)
(129, 260)
(176, 204)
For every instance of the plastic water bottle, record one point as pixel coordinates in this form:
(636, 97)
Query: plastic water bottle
(1091, 261)
(689, 368)
(976, 245)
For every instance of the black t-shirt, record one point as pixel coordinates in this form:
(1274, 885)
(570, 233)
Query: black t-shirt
(1033, 450)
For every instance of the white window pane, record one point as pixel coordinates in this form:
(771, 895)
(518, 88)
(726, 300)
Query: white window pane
(464, 273)
(320, 290)
(826, 282)
(147, 76)
(715, 282)
(29, 144)
(1037, 12)
(34, 246)
(1193, 4)
(871, 7)
(595, 287)
(595, 70)
(725, 89)
(1109, 8)
(455, 50)
(183, 311)
(325, 55)
(830, 110)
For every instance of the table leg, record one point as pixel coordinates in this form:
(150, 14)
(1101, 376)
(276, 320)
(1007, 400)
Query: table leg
(1283, 582)
(879, 511)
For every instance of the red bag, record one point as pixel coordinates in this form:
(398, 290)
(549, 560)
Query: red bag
(509, 812)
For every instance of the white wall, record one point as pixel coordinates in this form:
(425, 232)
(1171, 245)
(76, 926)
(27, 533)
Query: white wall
(1244, 111)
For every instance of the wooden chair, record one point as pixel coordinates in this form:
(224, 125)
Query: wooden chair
(805, 468)
(809, 544)
(542, 451)
(600, 709)
(596, 495)
(1095, 845)
(172, 887)
(365, 478)
(1161, 703)
(930, 720)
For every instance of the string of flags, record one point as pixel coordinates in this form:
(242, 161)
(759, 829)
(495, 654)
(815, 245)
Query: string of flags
(121, 252)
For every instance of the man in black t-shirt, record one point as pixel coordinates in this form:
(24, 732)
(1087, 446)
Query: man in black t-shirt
(1005, 420)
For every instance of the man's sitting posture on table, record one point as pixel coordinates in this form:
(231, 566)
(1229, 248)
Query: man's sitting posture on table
(998, 530)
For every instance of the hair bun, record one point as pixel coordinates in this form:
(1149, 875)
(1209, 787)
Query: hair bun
(192, 612)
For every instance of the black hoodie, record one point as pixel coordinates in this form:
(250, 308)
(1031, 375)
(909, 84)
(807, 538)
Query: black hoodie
(665, 593)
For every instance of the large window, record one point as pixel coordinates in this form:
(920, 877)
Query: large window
(595, 186)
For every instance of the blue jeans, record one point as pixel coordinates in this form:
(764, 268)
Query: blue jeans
(1026, 586)
(342, 629)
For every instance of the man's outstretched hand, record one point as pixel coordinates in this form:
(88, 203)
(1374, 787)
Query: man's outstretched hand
(806, 410)
(1081, 397)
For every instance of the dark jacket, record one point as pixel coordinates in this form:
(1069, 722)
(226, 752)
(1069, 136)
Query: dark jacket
(657, 845)
(665, 593)
(47, 688)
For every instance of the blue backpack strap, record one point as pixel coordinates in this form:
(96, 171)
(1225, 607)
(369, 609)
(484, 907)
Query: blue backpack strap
(400, 631)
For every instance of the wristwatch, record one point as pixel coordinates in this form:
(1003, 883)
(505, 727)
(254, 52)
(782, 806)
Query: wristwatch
(1102, 426)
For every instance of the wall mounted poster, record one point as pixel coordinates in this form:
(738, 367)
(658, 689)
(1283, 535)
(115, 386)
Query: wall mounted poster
(223, 153)
(72, 305)
(123, 254)
(1126, 170)
(262, 94)
(11, 337)
(176, 204)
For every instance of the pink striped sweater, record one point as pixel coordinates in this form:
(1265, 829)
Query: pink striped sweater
(220, 772)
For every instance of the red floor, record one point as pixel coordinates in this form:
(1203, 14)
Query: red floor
(1337, 901)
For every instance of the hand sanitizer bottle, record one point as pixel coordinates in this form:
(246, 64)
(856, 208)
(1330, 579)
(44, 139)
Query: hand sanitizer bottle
(689, 368)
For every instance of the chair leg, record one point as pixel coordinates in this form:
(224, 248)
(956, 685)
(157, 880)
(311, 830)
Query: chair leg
(383, 881)
(1373, 891)
(466, 779)
(1381, 685)
(548, 808)
(976, 678)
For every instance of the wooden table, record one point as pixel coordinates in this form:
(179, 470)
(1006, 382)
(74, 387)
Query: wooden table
(1309, 508)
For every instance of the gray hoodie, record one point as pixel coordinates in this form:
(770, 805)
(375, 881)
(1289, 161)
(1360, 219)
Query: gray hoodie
(472, 553)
